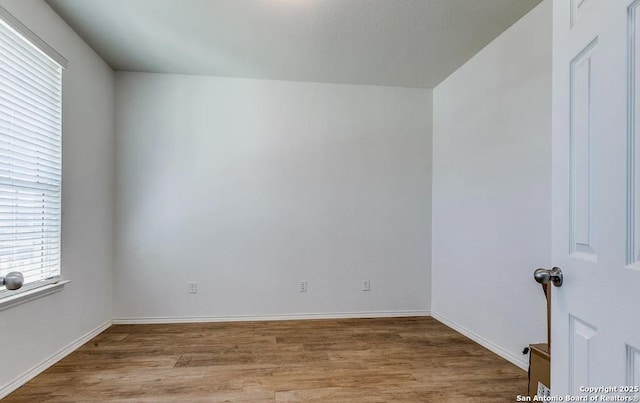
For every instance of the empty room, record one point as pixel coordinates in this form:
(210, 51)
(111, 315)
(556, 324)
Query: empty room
(319, 200)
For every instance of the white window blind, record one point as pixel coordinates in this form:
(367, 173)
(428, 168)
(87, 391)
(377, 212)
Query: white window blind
(30, 159)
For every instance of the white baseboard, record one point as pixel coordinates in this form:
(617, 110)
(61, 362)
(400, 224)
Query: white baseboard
(516, 360)
(200, 319)
(38, 369)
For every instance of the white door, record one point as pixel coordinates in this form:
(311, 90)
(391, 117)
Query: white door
(595, 338)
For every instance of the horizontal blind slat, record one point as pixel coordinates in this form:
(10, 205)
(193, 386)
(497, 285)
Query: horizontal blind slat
(28, 86)
(26, 109)
(35, 264)
(9, 48)
(27, 204)
(28, 157)
(16, 122)
(18, 145)
(28, 49)
(34, 130)
(21, 184)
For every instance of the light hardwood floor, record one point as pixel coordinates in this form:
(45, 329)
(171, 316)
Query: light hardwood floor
(353, 360)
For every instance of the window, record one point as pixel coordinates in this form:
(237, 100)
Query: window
(30, 155)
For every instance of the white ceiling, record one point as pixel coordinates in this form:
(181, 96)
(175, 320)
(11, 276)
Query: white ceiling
(413, 43)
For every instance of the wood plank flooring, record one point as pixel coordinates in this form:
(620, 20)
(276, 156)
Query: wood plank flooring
(353, 360)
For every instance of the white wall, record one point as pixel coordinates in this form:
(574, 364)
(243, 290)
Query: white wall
(492, 189)
(32, 333)
(249, 186)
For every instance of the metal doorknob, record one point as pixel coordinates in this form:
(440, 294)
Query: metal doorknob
(12, 281)
(543, 276)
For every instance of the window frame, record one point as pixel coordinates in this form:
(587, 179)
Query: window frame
(36, 289)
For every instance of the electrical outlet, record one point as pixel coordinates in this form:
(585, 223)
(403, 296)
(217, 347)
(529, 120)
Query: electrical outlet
(193, 287)
(303, 286)
(366, 285)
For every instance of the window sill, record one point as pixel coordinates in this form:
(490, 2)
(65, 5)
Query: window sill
(21, 298)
